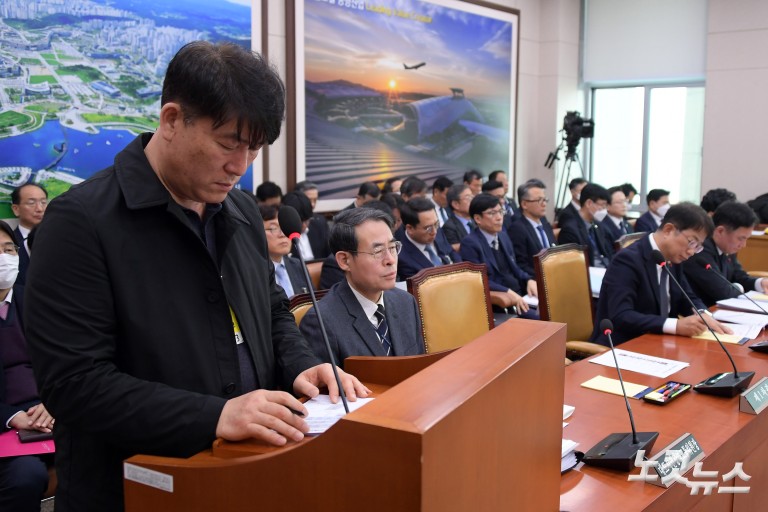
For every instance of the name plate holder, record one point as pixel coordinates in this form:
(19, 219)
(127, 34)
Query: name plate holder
(755, 399)
(676, 458)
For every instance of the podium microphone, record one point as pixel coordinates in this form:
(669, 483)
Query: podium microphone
(290, 224)
(618, 451)
(721, 384)
(735, 286)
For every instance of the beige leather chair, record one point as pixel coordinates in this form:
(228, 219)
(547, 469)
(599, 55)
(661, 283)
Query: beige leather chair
(315, 268)
(301, 303)
(454, 304)
(625, 241)
(562, 277)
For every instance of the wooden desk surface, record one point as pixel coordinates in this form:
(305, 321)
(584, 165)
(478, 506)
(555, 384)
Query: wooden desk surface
(725, 434)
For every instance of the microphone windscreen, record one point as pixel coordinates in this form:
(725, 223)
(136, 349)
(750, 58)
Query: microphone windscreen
(738, 285)
(606, 325)
(290, 222)
(657, 256)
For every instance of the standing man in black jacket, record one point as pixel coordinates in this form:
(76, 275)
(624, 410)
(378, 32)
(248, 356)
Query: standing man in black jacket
(163, 327)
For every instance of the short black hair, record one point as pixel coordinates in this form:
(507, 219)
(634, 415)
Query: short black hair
(387, 188)
(687, 215)
(656, 194)
(612, 191)
(392, 200)
(628, 188)
(268, 190)
(715, 197)
(300, 203)
(482, 202)
(492, 185)
(224, 81)
(594, 192)
(268, 211)
(369, 188)
(522, 190)
(454, 192)
(734, 215)
(8, 230)
(471, 175)
(410, 211)
(575, 182)
(442, 183)
(413, 185)
(303, 186)
(492, 176)
(16, 193)
(343, 236)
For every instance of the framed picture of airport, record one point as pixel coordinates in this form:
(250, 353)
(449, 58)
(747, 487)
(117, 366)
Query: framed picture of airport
(79, 80)
(399, 88)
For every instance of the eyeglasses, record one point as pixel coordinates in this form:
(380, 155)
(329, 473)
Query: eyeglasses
(432, 229)
(393, 249)
(693, 244)
(274, 230)
(31, 203)
(10, 248)
(498, 212)
(541, 200)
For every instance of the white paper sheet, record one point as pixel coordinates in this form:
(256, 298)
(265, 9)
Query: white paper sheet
(741, 305)
(739, 317)
(596, 275)
(323, 414)
(640, 363)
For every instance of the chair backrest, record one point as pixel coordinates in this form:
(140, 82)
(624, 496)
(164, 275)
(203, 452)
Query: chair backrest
(562, 277)
(315, 268)
(301, 303)
(625, 241)
(454, 304)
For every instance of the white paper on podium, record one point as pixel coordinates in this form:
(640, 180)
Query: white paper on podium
(323, 414)
(640, 363)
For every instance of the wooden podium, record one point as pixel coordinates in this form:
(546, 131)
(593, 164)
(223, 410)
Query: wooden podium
(476, 429)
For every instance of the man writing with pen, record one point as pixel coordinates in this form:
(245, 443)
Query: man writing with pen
(637, 294)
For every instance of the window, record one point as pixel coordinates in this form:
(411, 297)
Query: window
(650, 136)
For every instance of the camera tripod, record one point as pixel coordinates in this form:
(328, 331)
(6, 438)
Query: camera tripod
(563, 178)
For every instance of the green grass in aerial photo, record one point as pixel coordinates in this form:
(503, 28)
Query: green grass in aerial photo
(11, 118)
(55, 187)
(85, 73)
(29, 62)
(38, 79)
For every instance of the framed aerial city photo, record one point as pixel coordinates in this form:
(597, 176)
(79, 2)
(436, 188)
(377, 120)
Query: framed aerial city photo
(80, 79)
(381, 88)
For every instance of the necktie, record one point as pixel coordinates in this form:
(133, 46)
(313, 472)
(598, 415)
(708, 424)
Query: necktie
(470, 226)
(542, 236)
(4, 310)
(283, 280)
(495, 244)
(623, 227)
(382, 329)
(443, 214)
(432, 256)
(663, 294)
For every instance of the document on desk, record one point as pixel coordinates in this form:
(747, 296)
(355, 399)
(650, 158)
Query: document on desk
(739, 317)
(596, 275)
(757, 296)
(323, 414)
(740, 305)
(613, 386)
(741, 334)
(640, 363)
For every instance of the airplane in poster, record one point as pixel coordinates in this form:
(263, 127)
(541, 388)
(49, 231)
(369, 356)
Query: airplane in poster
(416, 66)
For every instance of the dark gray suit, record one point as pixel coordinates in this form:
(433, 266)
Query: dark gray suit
(454, 230)
(296, 275)
(350, 333)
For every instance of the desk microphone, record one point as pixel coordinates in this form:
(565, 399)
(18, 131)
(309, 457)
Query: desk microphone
(618, 451)
(721, 384)
(735, 286)
(290, 224)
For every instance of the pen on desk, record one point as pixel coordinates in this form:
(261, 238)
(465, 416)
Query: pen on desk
(294, 411)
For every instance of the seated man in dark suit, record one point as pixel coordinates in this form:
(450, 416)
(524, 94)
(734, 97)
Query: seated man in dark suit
(734, 223)
(413, 187)
(531, 232)
(368, 191)
(23, 479)
(489, 244)
(714, 198)
(440, 198)
(288, 271)
(424, 243)
(496, 189)
(28, 203)
(317, 231)
(510, 206)
(474, 180)
(585, 228)
(615, 224)
(571, 210)
(365, 315)
(658, 204)
(637, 295)
(459, 223)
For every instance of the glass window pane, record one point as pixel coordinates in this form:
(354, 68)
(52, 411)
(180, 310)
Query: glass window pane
(675, 138)
(617, 146)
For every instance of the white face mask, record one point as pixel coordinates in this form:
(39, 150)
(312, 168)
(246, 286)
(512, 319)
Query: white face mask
(600, 214)
(9, 269)
(661, 211)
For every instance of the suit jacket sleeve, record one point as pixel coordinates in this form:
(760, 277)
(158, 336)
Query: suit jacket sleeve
(471, 251)
(310, 328)
(568, 235)
(523, 251)
(709, 287)
(449, 228)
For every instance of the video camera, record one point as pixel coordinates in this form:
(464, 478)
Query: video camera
(575, 128)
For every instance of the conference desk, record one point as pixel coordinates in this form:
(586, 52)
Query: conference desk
(726, 435)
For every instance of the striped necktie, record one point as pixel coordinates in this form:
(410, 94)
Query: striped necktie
(382, 329)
